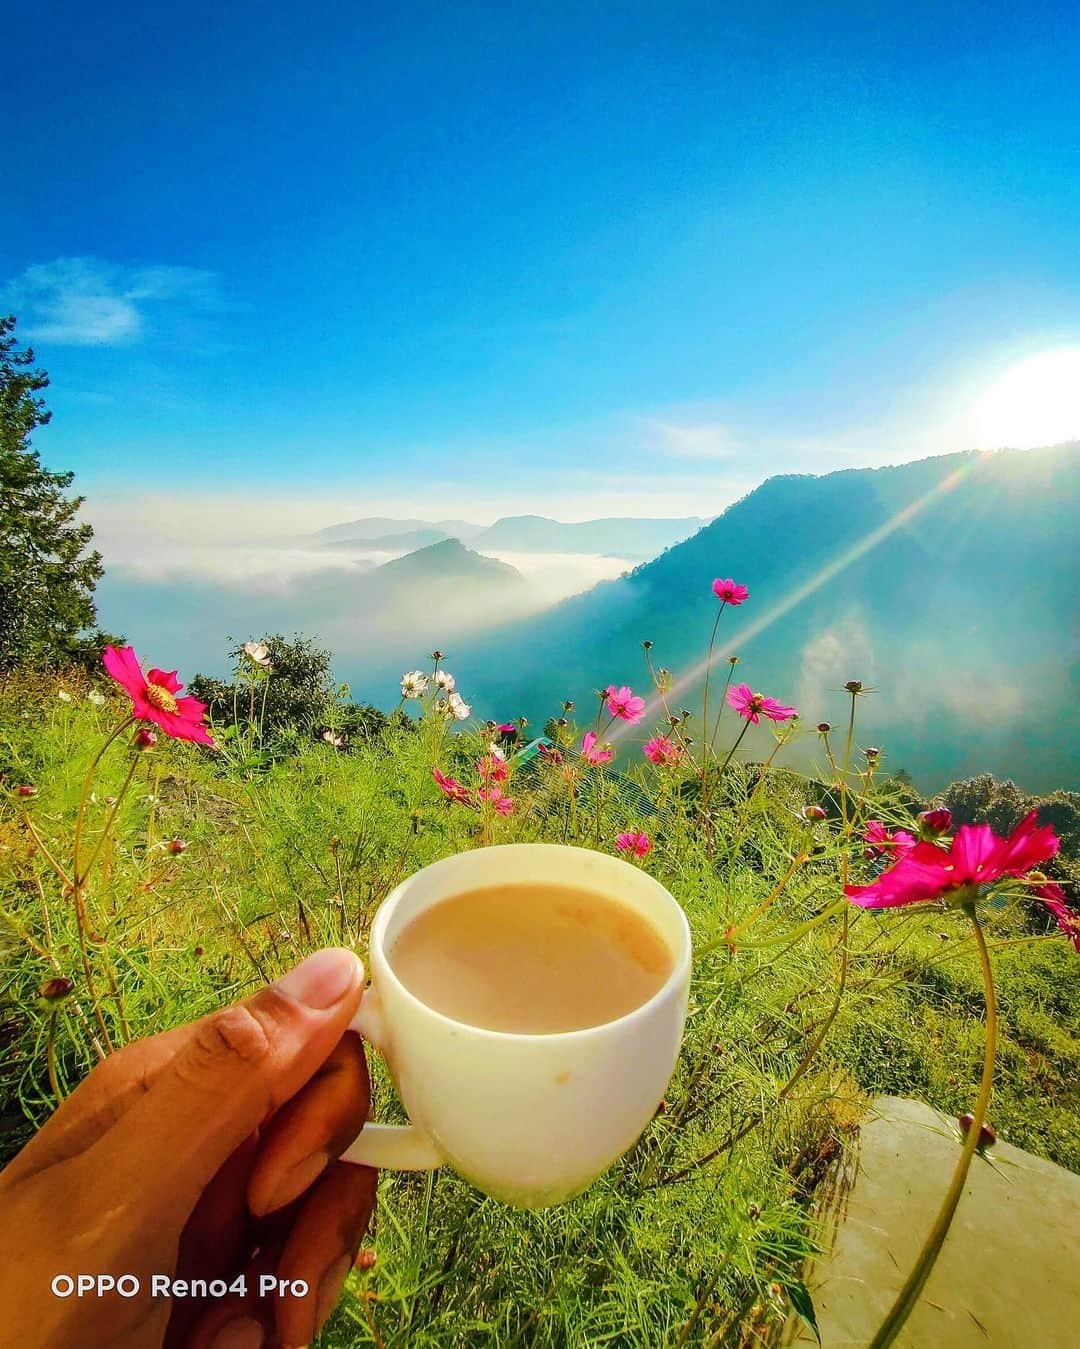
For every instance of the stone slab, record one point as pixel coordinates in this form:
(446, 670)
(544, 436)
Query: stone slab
(1009, 1274)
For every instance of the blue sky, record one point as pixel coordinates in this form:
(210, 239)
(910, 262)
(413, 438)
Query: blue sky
(317, 261)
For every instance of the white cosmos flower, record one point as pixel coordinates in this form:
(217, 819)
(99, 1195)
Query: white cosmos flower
(64, 696)
(444, 680)
(413, 684)
(496, 751)
(98, 699)
(334, 738)
(459, 707)
(258, 652)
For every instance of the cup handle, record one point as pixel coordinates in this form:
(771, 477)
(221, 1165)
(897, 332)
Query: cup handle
(393, 1147)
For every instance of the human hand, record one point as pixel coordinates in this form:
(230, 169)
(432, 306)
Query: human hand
(209, 1151)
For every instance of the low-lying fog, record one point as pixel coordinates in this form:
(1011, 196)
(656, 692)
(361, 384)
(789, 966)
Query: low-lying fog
(179, 590)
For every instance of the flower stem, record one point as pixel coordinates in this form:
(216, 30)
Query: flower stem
(705, 697)
(731, 751)
(916, 1281)
(80, 878)
(84, 795)
(50, 1060)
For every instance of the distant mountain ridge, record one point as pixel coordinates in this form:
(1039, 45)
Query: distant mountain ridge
(406, 542)
(374, 526)
(627, 536)
(949, 585)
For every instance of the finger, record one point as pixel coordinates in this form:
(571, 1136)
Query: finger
(313, 1129)
(321, 1247)
(238, 1066)
(98, 1102)
(236, 1321)
(219, 1236)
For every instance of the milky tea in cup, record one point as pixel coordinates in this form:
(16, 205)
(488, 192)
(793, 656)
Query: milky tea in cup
(530, 958)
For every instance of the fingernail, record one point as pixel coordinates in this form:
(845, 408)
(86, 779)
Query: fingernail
(330, 1286)
(239, 1333)
(295, 1181)
(323, 979)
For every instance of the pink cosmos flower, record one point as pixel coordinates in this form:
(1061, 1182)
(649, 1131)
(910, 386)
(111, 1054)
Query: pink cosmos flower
(492, 769)
(624, 703)
(590, 753)
(976, 857)
(731, 592)
(639, 844)
(450, 787)
(494, 796)
(1054, 898)
(153, 697)
(880, 840)
(661, 750)
(749, 704)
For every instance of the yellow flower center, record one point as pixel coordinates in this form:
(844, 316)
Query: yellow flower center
(160, 697)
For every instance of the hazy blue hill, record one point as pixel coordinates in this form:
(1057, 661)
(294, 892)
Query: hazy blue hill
(627, 537)
(407, 541)
(446, 563)
(949, 584)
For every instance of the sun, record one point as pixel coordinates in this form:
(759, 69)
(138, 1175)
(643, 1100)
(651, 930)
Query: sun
(1035, 402)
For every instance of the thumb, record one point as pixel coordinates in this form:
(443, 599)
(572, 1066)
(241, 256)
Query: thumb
(235, 1068)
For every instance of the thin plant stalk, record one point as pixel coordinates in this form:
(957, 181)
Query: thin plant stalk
(50, 1059)
(84, 795)
(708, 672)
(916, 1280)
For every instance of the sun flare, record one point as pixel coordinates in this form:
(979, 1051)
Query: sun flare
(1035, 402)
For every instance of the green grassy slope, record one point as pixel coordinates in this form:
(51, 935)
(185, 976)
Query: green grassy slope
(661, 1250)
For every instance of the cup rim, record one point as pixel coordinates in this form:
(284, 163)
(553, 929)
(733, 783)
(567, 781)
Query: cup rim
(680, 971)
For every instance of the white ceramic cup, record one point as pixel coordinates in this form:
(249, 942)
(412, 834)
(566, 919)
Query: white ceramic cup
(528, 1119)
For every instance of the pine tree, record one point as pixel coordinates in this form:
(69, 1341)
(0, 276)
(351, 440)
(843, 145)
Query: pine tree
(47, 570)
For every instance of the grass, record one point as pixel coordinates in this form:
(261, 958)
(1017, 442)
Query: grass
(699, 1234)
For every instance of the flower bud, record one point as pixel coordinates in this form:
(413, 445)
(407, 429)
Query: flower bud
(365, 1258)
(176, 846)
(437, 655)
(733, 660)
(145, 738)
(813, 812)
(854, 686)
(824, 727)
(56, 990)
(753, 1210)
(568, 706)
(26, 789)
(987, 1135)
(935, 822)
(647, 644)
(198, 951)
(872, 753)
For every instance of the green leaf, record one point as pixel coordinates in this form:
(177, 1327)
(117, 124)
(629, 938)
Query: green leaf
(803, 1303)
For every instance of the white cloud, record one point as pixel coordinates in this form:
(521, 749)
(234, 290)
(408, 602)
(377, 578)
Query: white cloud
(698, 440)
(90, 302)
